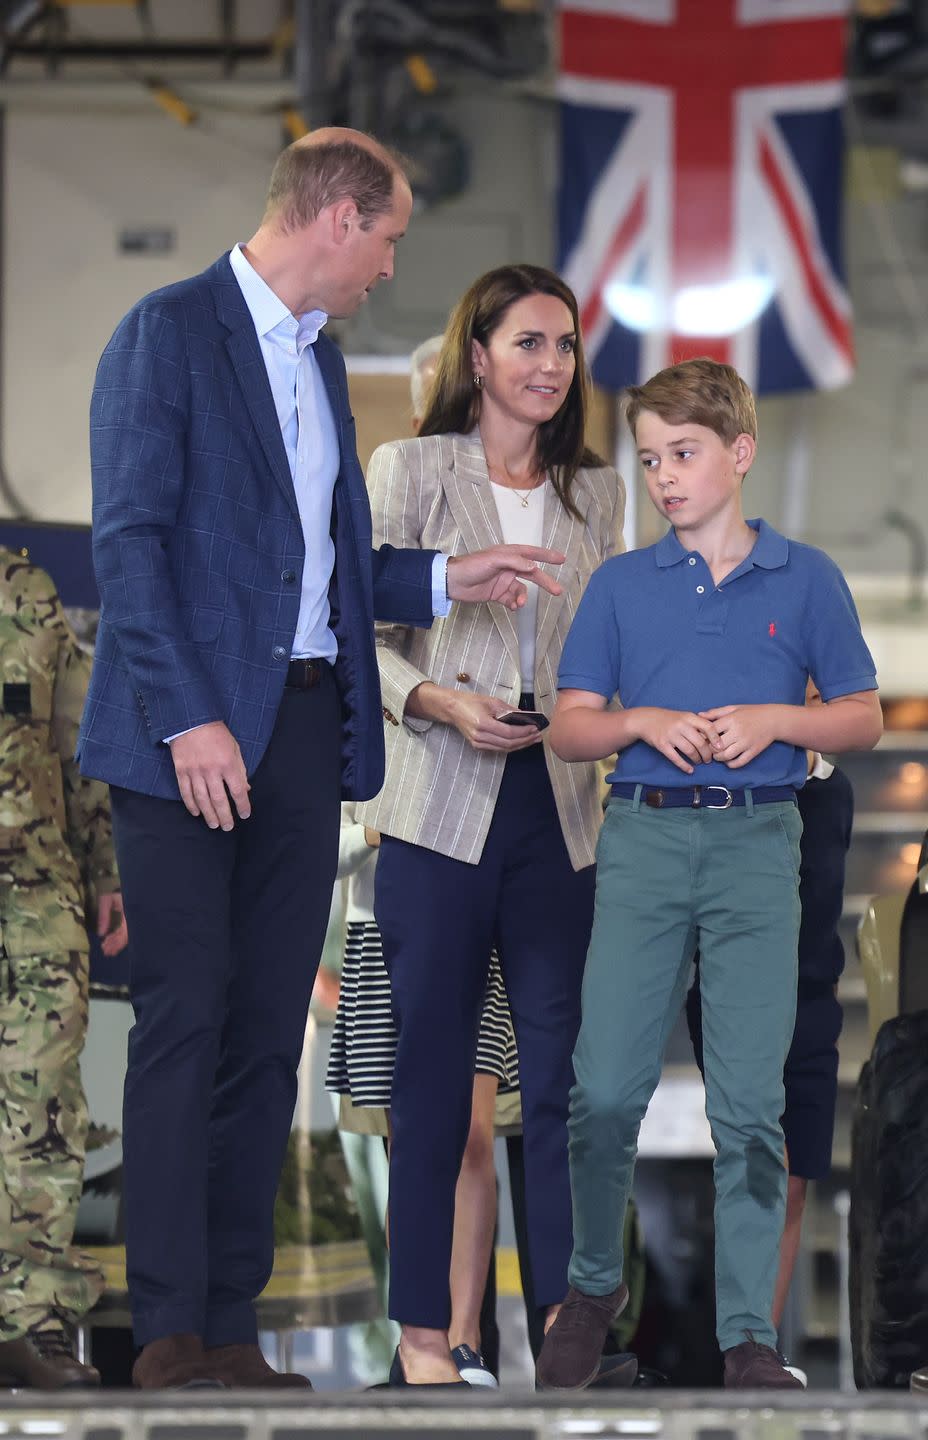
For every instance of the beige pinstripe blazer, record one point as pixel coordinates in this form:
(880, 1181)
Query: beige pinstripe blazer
(439, 792)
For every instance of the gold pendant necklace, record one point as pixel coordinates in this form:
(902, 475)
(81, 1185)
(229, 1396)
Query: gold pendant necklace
(507, 485)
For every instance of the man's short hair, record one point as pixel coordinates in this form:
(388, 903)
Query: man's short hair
(308, 178)
(422, 357)
(699, 392)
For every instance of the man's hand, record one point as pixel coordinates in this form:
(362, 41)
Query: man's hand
(208, 764)
(500, 572)
(475, 717)
(111, 923)
(372, 837)
(744, 732)
(680, 735)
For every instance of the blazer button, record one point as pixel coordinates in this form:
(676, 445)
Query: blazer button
(463, 677)
(279, 652)
(288, 576)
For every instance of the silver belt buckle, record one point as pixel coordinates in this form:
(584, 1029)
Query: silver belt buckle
(726, 803)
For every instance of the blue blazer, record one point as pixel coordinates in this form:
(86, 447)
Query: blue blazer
(198, 548)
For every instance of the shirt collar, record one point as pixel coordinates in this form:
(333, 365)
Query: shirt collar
(267, 310)
(770, 552)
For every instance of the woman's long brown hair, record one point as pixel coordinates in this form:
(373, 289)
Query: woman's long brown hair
(454, 400)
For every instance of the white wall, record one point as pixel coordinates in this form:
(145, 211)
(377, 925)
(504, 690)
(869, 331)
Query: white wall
(72, 183)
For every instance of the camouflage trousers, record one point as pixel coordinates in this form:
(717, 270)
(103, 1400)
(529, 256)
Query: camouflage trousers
(43, 1129)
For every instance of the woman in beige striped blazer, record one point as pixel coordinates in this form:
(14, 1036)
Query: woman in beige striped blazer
(487, 838)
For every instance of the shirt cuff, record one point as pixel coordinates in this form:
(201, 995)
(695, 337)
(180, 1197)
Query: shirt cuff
(168, 738)
(441, 605)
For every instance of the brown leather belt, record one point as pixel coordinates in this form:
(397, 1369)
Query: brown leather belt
(304, 674)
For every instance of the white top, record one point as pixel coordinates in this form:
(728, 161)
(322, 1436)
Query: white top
(822, 769)
(522, 522)
(357, 863)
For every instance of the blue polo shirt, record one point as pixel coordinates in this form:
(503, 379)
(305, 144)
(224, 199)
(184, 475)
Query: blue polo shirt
(653, 628)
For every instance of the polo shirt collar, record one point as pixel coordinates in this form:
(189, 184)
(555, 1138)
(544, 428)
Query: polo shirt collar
(770, 552)
(266, 308)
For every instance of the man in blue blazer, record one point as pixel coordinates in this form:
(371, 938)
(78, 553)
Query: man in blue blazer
(235, 672)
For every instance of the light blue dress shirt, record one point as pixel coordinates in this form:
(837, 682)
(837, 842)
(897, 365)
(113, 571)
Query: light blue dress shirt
(311, 442)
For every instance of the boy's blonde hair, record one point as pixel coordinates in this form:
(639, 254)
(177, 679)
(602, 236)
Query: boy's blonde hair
(701, 392)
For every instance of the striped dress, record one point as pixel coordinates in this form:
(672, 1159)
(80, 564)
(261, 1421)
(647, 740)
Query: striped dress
(363, 1048)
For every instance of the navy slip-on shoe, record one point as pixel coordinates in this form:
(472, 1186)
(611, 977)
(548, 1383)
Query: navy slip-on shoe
(473, 1368)
(398, 1377)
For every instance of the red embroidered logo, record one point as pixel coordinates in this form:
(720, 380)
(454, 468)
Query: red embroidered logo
(773, 628)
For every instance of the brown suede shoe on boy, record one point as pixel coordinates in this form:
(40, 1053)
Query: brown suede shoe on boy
(176, 1362)
(243, 1367)
(751, 1366)
(573, 1347)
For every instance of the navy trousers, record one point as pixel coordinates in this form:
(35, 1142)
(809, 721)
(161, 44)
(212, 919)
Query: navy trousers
(439, 919)
(226, 932)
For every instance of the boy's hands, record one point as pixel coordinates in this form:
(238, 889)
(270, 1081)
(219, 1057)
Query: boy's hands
(680, 735)
(743, 730)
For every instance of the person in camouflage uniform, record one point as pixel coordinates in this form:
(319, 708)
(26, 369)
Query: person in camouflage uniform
(57, 868)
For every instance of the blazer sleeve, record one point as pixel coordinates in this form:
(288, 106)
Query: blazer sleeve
(396, 507)
(139, 429)
(403, 585)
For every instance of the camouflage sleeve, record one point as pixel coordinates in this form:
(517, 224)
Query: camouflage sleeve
(87, 802)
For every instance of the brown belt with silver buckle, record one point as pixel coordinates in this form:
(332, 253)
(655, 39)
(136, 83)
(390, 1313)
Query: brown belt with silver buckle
(304, 674)
(703, 797)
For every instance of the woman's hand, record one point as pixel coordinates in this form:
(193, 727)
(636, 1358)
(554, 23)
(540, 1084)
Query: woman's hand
(475, 717)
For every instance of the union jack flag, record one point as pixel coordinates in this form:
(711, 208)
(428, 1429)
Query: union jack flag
(701, 186)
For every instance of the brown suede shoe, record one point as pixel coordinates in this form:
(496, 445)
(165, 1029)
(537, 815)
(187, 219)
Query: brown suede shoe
(243, 1367)
(573, 1347)
(22, 1363)
(176, 1362)
(751, 1366)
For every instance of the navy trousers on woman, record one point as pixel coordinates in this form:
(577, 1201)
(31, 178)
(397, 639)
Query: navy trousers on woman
(439, 919)
(227, 929)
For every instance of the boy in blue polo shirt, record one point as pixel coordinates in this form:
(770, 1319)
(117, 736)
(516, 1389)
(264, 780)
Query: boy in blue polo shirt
(708, 639)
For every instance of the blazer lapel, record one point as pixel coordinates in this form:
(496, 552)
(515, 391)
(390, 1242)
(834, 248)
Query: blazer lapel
(328, 369)
(250, 373)
(565, 533)
(470, 500)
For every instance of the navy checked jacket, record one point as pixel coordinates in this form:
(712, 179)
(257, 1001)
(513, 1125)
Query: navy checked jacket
(198, 548)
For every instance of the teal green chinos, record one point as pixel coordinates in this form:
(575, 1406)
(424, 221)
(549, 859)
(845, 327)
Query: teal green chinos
(669, 881)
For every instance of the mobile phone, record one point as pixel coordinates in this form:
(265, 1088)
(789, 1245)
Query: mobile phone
(524, 717)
